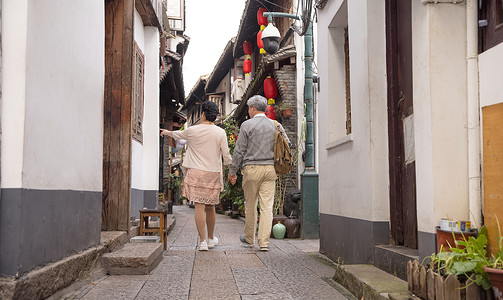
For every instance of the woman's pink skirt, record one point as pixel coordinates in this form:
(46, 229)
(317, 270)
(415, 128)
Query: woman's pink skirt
(202, 187)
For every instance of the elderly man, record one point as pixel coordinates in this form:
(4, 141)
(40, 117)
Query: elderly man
(255, 152)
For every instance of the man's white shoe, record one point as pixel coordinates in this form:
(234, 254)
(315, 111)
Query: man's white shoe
(212, 242)
(203, 246)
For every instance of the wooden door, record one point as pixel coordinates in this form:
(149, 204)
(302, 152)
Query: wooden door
(492, 119)
(402, 167)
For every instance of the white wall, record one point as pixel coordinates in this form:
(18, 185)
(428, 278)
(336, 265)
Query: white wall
(440, 109)
(490, 66)
(151, 116)
(137, 147)
(53, 75)
(145, 155)
(14, 35)
(353, 175)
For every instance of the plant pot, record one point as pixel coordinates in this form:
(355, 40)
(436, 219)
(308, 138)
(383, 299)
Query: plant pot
(444, 237)
(287, 112)
(292, 227)
(496, 277)
(276, 219)
(279, 231)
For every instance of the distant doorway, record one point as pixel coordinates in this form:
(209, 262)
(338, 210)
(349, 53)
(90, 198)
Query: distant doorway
(402, 166)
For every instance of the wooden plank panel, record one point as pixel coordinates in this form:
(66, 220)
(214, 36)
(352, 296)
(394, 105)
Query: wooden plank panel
(452, 288)
(430, 284)
(439, 288)
(493, 171)
(117, 114)
(410, 280)
(112, 113)
(422, 283)
(124, 174)
(473, 291)
(107, 112)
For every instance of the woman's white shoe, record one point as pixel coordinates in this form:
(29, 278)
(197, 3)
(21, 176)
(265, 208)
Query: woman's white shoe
(212, 242)
(203, 246)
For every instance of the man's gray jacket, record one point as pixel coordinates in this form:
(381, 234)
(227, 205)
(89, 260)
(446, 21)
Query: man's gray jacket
(255, 144)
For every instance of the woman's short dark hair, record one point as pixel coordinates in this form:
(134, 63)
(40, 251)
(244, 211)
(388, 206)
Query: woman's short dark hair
(210, 109)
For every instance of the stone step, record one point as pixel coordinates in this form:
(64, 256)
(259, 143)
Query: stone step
(369, 282)
(146, 239)
(133, 259)
(393, 259)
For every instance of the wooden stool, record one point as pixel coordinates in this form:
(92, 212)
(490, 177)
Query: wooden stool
(163, 220)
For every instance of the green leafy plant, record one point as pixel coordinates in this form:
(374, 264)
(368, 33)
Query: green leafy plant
(232, 192)
(496, 260)
(174, 181)
(467, 257)
(283, 180)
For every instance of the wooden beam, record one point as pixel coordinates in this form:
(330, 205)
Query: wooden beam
(119, 47)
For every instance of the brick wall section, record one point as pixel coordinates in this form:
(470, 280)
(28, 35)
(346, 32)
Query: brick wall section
(287, 93)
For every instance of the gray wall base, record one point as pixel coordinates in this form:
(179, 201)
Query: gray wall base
(141, 199)
(41, 226)
(351, 241)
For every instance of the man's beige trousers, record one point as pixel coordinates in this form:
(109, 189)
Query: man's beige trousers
(259, 183)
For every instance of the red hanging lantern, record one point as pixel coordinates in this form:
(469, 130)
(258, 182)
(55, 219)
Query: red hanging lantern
(262, 21)
(248, 48)
(247, 66)
(270, 113)
(270, 90)
(260, 44)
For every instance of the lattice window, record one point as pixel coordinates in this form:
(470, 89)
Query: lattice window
(218, 100)
(138, 86)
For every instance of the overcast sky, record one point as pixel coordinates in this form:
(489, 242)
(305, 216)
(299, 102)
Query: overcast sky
(210, 25)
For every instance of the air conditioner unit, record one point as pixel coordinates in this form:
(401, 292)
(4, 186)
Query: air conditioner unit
(238, 89)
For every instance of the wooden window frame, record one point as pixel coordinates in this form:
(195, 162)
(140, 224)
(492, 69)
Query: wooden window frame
(138, 94)
(236, 68)
(492, 34)
(348, 85)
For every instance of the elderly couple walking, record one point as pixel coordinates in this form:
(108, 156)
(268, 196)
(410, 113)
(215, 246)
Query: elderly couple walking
(254, 154)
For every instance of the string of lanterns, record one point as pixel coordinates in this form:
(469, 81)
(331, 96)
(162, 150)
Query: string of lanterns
(270, 92)
(270, 86)
(247, 64)
(262, 22)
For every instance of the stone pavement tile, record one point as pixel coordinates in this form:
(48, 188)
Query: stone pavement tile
(317, 264)
(117, 287)
(214, 294)
(244, 260)
(311, 288)
(212, 277)
(256, 281)
(279, 296)
(174, 266)
(165, 288)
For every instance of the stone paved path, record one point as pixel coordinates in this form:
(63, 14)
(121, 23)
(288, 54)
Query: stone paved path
(292, 269)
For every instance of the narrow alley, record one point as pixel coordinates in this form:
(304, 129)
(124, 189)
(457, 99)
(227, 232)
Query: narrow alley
(292, 269)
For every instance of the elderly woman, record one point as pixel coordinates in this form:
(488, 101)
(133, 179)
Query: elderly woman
(206, 147)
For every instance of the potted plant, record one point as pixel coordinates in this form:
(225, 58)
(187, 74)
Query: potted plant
(494, 268)
(285, 109)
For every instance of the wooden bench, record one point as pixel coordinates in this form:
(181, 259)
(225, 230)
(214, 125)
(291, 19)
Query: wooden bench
(161, 229)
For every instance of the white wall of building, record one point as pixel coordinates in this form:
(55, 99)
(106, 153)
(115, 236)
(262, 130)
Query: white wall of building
(14, 39)
(145, 155)
(353, 175)
(53, 85)
(490, 66)
(440, 109)
(151, 113)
